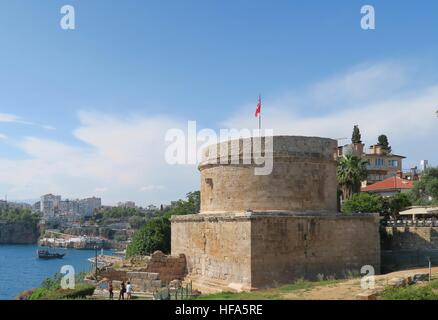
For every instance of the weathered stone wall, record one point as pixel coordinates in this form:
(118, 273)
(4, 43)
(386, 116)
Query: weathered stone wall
(168, 267)
(260, 250)
(409, 238)
(218, 248)
(288, 248)
(303, 178)
(144, 281)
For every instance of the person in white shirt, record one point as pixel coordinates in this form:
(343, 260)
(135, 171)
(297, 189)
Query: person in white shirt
(128, 290)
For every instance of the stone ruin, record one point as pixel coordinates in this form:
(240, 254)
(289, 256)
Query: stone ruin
(258, 231)
(146, 273)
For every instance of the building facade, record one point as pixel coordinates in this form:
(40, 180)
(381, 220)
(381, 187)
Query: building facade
(381, 164)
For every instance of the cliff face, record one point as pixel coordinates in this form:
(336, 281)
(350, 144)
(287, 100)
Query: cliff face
(18, 233)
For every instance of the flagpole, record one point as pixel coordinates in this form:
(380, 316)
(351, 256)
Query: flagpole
(260, 114)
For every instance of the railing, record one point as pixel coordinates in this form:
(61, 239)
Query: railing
(410, 223)
(171, 293)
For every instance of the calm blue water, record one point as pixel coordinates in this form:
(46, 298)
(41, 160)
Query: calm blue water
(20, 268)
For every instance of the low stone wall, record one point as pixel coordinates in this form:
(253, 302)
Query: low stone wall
(409, 238)
(168, 267)
(112, 274)
(144, 281)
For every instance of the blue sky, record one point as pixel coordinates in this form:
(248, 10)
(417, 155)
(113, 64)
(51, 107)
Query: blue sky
(131, 69)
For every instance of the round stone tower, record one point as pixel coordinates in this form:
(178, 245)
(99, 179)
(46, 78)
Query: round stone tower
(302, 179)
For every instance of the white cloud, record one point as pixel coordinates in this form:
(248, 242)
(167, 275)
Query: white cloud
(3, 136)
(407, 116)
(5, 117)
(120, 154)
(11, 118)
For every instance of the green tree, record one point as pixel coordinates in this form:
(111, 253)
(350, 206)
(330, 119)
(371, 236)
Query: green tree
(397, 203)
(154, 235)
(189, 206)
(136, 222)
(425, 190)
(356, 137)
(384, 143)
(351, 172)
(363, 203)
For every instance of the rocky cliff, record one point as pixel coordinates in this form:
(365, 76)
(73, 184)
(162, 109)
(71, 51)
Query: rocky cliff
(18, 233)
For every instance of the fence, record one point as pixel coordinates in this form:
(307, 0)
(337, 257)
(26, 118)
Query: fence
(410, 223)
(171, 293)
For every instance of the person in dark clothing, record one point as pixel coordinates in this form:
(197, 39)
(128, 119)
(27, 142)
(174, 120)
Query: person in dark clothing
(122, 291)
(110, 290)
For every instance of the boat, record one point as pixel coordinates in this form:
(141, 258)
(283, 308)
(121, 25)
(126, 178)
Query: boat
(45, 254)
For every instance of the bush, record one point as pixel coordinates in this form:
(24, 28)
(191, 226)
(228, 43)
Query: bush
(81, 291)
(155, 234)
(363, 203)
(39, 293)
(413, 292)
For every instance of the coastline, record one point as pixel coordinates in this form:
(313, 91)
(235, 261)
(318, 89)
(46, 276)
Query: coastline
(22, 270)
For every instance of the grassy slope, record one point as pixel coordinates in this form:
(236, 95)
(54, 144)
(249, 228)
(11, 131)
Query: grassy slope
(413, 292)
(268, 294)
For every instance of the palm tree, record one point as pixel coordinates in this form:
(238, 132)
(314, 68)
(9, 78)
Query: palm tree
(352, 170)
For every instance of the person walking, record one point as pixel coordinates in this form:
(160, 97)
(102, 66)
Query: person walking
(110, 290)
(128, 290)
(122, 291)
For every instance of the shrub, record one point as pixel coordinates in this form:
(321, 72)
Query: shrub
(414, 292)
(81, 291)
(363, 203)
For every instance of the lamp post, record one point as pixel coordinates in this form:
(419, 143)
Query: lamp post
(95, 261)
(430, 269)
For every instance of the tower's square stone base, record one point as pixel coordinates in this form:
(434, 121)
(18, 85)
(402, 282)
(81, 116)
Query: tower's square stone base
(246, 251)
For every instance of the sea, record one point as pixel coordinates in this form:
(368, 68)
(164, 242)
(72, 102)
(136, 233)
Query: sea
(20, 268)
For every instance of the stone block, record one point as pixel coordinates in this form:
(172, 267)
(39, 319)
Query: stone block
(367, 296)
(397, 282)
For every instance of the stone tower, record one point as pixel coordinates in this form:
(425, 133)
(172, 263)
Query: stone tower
(254, 231)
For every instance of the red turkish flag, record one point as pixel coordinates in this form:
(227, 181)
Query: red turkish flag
(258, 108)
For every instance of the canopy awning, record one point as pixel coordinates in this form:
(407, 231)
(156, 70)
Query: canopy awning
(420, 211)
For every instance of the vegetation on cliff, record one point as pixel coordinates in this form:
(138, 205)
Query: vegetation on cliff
(13, 215)
(18, 226)
(155, 234)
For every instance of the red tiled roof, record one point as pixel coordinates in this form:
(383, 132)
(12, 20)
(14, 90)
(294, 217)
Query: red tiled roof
(389, 184)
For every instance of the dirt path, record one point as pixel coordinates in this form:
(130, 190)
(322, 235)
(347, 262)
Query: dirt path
(349, 289)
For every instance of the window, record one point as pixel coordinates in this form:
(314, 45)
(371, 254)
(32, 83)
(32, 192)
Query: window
(393, 163)
(379, 162)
